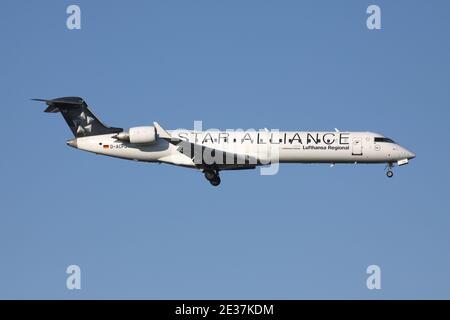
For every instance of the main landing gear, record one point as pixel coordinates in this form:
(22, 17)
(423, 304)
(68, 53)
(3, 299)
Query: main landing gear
(389, 172)
(212, 176)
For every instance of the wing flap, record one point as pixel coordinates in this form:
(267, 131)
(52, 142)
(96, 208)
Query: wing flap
(204, 156)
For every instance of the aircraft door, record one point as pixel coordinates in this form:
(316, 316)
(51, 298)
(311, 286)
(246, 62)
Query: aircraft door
(357, 147)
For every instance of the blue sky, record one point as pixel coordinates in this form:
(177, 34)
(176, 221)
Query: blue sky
(142, 231)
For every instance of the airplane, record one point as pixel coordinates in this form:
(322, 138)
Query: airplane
(213, 151)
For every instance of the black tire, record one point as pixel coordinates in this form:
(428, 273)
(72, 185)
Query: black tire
(210, 175)
(215, 182)
(390, 174)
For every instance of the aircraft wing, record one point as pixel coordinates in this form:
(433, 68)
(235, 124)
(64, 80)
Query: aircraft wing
(204, 156)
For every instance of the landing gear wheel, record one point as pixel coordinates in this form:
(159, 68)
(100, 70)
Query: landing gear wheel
(210, 175)
(390, 174)
(215, 182)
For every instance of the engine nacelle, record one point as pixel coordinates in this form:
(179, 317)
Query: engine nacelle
(139, 135)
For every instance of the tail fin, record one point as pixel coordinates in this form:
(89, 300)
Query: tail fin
(78, 116)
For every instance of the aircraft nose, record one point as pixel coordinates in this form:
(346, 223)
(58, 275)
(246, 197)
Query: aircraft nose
(410, 154)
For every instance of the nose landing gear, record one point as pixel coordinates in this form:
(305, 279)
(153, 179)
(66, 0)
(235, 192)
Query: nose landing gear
(389, 172)
(212, 176)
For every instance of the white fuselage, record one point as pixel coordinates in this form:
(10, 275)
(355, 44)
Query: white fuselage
(265, 146)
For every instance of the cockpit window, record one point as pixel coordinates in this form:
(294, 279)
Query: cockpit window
(383, 139)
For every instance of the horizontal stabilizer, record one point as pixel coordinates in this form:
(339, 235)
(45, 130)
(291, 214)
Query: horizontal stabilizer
(78, 116)
(75, 101)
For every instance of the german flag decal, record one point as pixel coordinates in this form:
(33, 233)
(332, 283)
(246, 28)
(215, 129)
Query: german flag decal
(106, 146)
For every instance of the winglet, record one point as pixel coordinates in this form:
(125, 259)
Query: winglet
(161, 132)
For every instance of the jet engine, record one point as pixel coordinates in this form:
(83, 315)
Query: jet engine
(139, 135)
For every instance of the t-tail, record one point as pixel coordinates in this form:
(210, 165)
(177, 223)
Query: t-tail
(80, 119)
